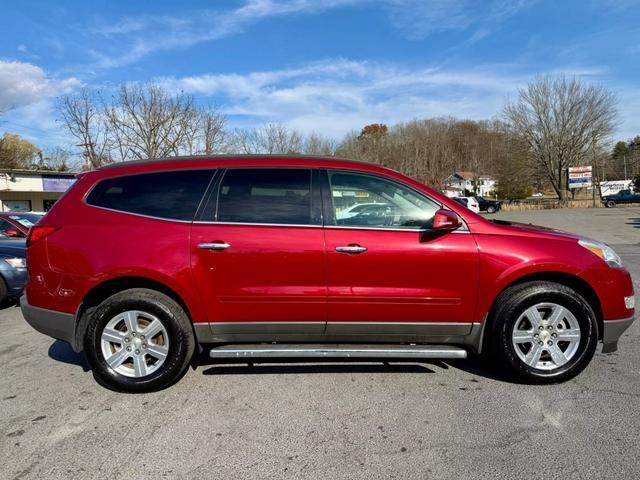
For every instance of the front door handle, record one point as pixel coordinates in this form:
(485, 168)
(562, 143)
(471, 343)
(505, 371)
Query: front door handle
(214, 246)
(351, 249)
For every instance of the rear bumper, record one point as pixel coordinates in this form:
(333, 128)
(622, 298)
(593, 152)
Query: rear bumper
(58, 325)
(612, 331)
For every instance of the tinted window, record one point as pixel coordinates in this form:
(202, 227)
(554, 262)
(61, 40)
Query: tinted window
(395, 206)
(173, 195)
(276, 195)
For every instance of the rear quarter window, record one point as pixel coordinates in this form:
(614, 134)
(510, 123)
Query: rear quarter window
(171, 195)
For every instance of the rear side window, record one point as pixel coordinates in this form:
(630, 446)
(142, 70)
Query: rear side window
(279, 195)
(171, 195)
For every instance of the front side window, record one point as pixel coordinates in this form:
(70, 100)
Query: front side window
(171, 195)
(370, 201)
(274, 196)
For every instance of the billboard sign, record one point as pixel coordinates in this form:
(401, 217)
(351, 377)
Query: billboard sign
(56, 183)
(580, 177)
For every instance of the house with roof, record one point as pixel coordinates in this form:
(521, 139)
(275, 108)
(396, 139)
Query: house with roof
(456, 184)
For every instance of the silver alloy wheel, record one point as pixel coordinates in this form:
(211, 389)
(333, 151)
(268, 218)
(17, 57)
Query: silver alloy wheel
(135, 343)
(546, 336)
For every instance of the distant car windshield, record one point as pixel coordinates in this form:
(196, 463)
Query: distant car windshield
(27, 220)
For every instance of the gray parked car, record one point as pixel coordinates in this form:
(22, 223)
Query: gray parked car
(13, 268)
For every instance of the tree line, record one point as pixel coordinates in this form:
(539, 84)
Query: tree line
(555, 122)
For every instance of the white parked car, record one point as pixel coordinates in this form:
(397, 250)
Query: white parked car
(470, 202)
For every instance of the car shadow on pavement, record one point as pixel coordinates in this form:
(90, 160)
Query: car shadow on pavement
(62, 352)
(481, 366)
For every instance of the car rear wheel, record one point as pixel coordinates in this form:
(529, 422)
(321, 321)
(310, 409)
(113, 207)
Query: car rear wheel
(491, 209)
(4, 291)
(610, 204)
(545, 332)
(139, 340)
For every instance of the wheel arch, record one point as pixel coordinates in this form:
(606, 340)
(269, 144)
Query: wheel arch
(110, 287)
(569, 280)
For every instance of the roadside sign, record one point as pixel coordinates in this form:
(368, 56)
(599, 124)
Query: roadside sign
(580, 177)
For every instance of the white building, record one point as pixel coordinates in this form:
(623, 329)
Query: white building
(32, 190)
(456, 184)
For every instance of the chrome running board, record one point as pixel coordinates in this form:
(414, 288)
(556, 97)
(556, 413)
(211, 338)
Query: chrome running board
(336, 351)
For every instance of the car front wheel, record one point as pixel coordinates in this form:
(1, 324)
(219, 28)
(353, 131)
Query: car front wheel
(545, 332)
(139, 340)
(491, 209)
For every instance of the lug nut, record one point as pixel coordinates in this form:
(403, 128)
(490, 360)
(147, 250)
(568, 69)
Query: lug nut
(137, 352)
(127, 339)
(133, 334)
(549, 343)
(128, 349)
(550, 327)
(540, 343)
(144, 345)
(535, 335)
(554, 335)
(141, 337)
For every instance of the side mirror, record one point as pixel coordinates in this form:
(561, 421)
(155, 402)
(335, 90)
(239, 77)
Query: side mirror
(12, 232)
(446, 220)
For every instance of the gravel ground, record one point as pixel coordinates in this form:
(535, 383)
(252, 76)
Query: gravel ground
(329, 420)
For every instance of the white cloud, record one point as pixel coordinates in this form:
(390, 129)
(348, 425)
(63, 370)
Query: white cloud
(338, 95)
(147, 34)
(143, 35)
(419, 19)
(22, 48)
(23, 84)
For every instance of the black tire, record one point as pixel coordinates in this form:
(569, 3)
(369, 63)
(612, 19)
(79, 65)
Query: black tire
(172, 317)
(491, 209)
(610, 204)
(4, 291)
(514, 301)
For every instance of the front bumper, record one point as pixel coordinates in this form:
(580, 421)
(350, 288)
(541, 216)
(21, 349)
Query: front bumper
(15, 280)
(58, 325)
(612, 331)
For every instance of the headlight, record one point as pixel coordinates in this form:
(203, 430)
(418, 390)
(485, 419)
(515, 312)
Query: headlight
(16, 262)
(605, 252)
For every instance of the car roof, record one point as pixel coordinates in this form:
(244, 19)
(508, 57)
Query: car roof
(240, 160)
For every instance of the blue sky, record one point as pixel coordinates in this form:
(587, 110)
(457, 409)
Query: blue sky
(327, 66)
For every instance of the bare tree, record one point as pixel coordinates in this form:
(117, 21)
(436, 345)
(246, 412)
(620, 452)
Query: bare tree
(212, 125)
(55, 158)
(315, 144)
(273, 138)
(147, 123)
(83, 118)
(561, 119)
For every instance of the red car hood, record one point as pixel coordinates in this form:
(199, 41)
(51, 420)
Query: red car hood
(527, 228)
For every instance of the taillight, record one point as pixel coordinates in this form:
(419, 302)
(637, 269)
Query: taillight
(37, 233)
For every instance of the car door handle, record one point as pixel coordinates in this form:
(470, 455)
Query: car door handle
(214, 246)
(351, 249)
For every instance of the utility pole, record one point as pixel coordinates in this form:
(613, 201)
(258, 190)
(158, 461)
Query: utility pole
(593, 172)
(624, 161)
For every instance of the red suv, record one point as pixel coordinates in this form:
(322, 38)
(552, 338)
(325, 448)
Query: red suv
(142, 263)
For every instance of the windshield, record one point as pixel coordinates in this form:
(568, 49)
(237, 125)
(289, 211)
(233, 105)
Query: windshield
(27, 220)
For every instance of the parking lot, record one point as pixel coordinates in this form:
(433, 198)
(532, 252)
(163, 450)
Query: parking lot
(367, 420)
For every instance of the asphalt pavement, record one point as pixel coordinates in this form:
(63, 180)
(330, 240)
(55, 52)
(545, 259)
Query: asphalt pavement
(333, 420)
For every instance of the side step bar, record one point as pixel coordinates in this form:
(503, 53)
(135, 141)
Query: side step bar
(336, 351)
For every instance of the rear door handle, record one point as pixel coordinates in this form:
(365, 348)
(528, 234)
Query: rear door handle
(351, 249)
(214, 246)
